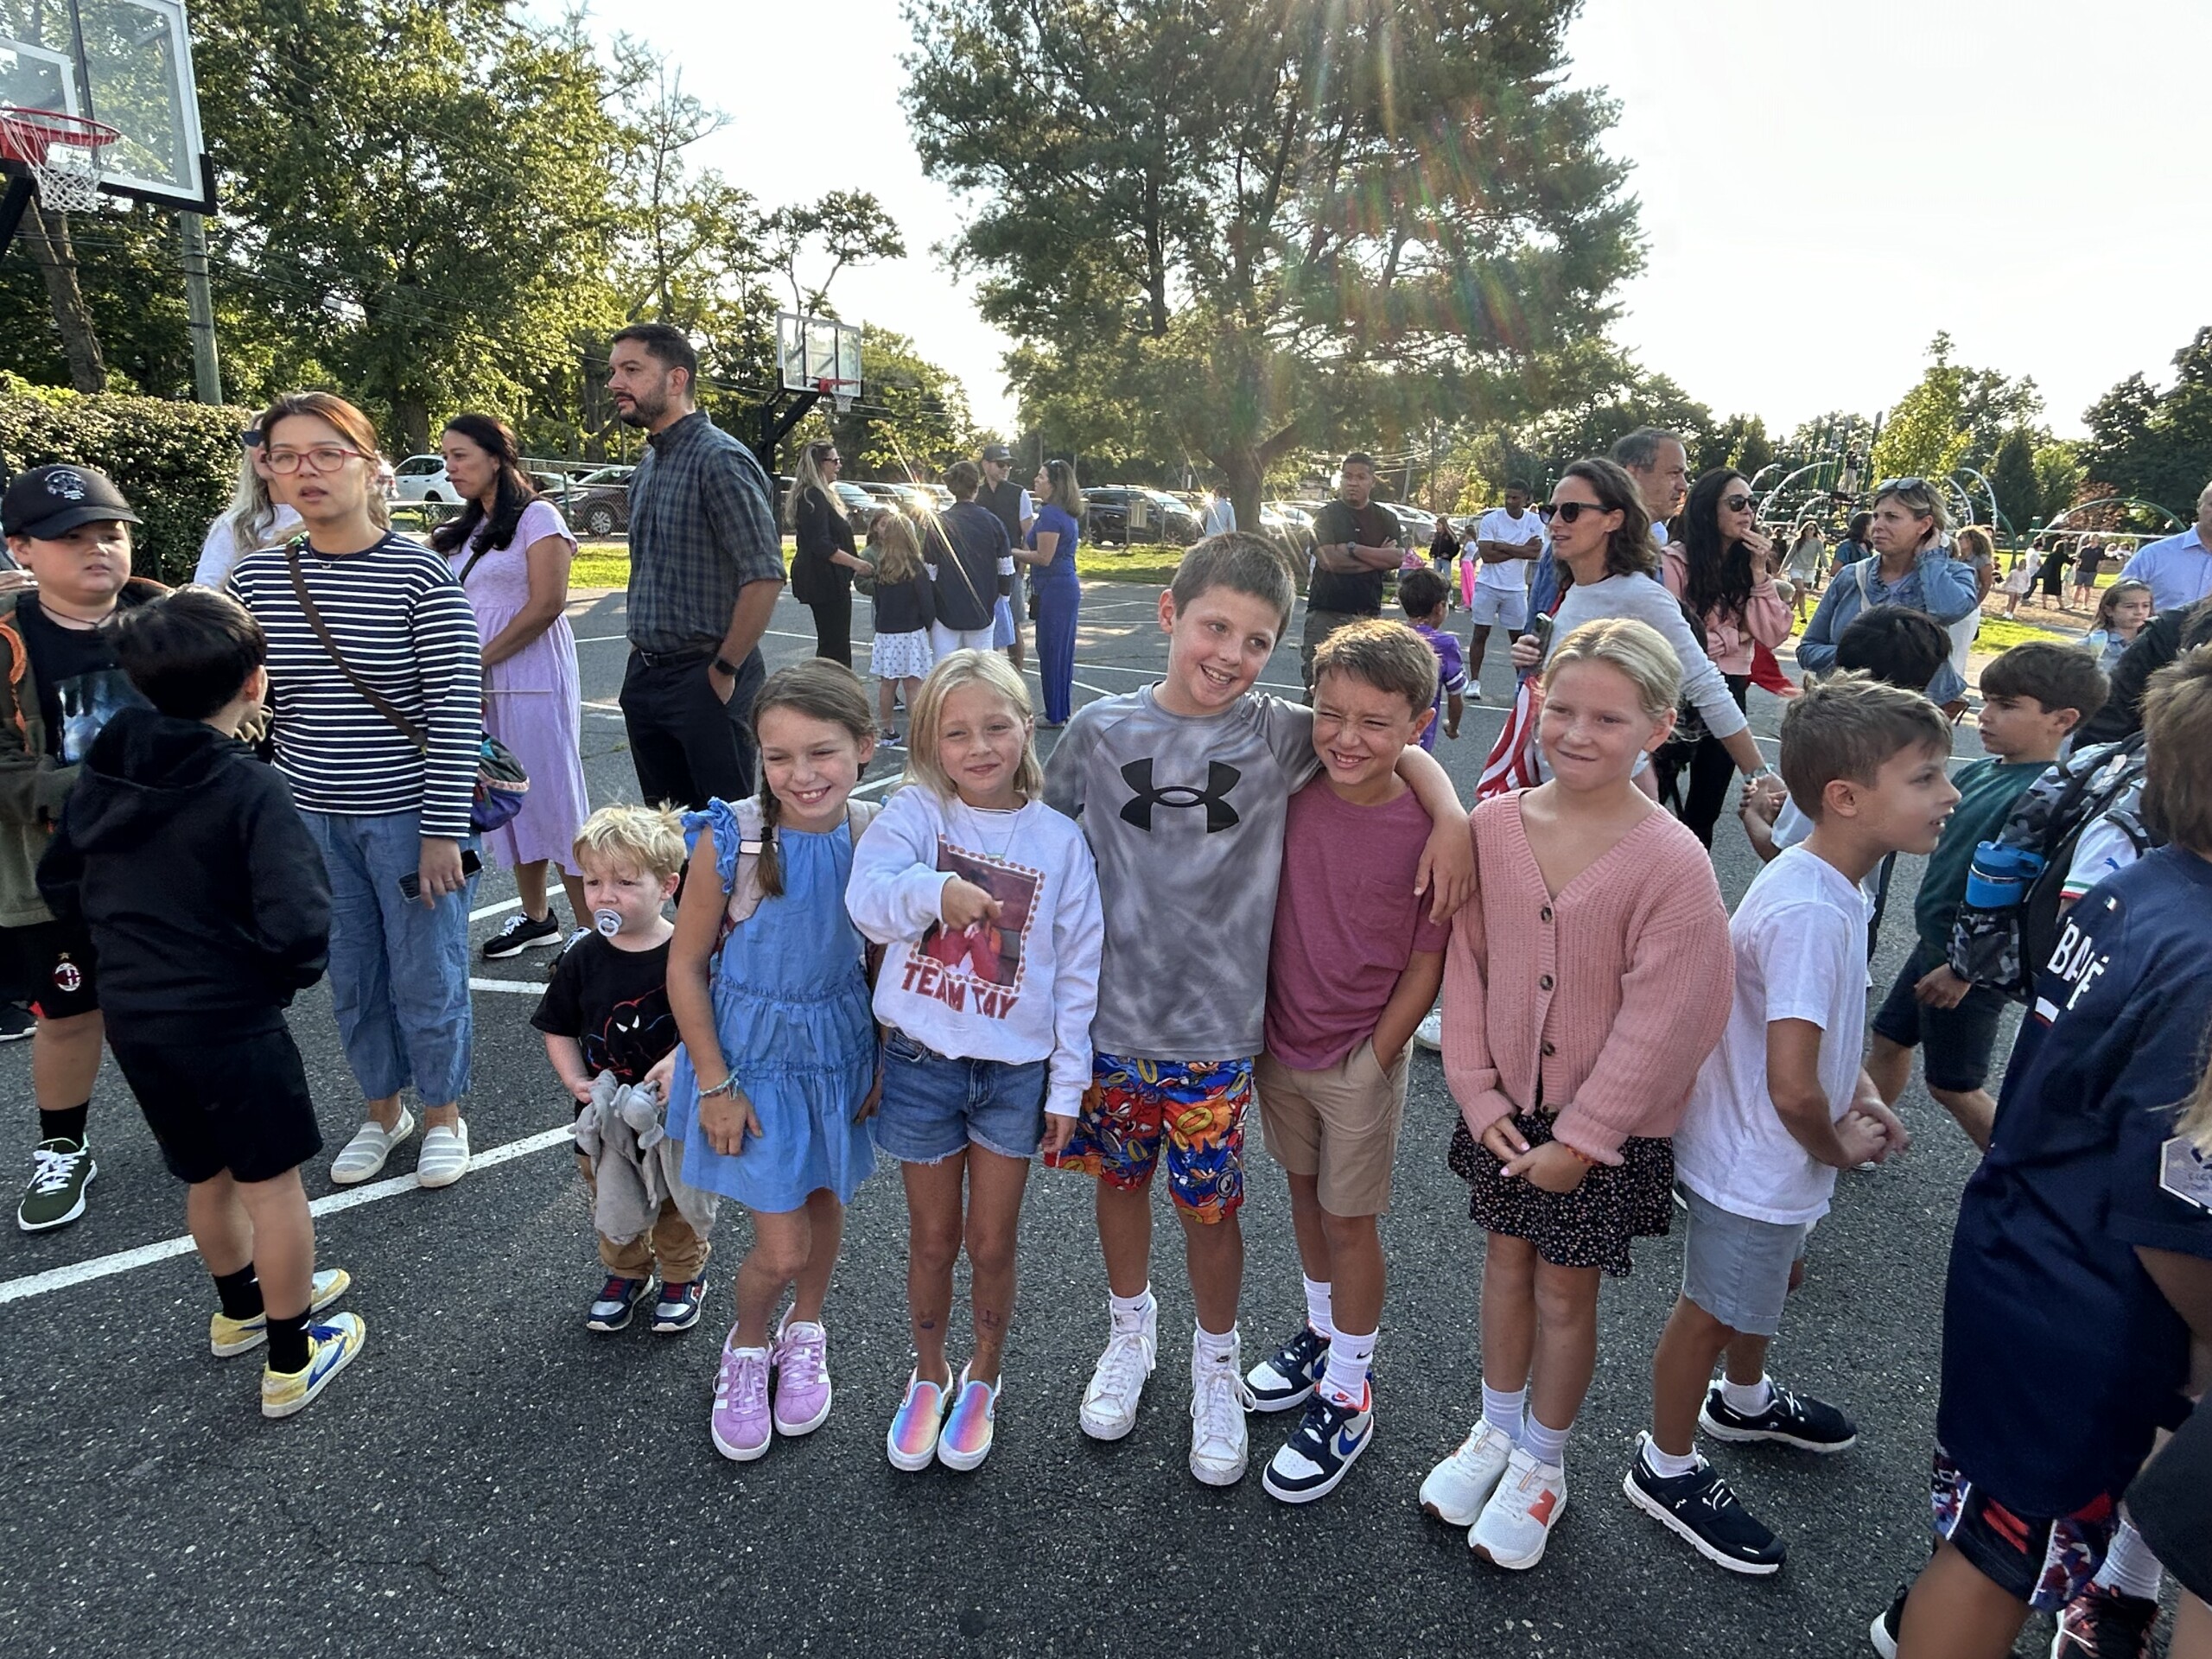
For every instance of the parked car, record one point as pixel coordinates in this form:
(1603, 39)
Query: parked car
(1416, 525)
(1291, 528)
(1107, 510)
(599, 502)
(884, 495)
(423, 478)
(861, 508)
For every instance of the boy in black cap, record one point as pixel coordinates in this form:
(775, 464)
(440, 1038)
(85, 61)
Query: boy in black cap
(69, 527)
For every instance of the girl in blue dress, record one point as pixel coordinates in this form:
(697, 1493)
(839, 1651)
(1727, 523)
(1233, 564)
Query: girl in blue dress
(778, 1071)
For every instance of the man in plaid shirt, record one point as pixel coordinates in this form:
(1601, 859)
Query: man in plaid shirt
(706, 564)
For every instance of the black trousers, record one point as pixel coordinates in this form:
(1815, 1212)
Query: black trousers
(687, 744)
(1709, 768)
(833, 625)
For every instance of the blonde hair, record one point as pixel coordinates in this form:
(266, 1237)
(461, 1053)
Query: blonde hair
(1920, 497)
(964, 668)
(1634, 649)
(645, 839)
(1974, 542)
(819, 690)
(902, 552)
(808, 477)
(252, 514)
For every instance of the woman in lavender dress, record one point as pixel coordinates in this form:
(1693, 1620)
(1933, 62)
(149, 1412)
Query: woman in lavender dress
(511, 552)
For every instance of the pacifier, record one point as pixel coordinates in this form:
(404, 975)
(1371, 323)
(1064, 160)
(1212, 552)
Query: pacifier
(609, 922)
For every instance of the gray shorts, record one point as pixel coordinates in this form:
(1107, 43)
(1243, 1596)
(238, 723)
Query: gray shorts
(1737, 1269)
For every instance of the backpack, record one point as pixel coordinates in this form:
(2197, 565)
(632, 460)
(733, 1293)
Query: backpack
(2008, 922)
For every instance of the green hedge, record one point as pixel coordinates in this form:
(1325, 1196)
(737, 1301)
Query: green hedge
(177, 462)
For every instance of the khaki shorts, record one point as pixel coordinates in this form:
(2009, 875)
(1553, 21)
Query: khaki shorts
(1340, 1125)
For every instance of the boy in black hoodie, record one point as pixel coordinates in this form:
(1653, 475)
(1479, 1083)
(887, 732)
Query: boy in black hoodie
(207, 901)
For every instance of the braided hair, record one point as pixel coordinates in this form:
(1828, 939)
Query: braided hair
(819, 690)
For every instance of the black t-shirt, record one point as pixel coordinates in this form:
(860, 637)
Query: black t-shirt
(614, 1003)
(79, 686)
(1372, 525)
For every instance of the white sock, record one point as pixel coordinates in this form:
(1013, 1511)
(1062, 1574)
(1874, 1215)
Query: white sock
(2130, 1567)
(1666, 1464)
(1211, 1350)
(1130, 1311)
(1349, 1356)
(1747, 1399)
(1503, 1411)
(1545, 1445)
(1318, 1313)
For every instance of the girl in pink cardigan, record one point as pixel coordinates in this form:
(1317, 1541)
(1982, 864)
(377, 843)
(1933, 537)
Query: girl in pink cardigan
(1571, 1050)
(1722, 570)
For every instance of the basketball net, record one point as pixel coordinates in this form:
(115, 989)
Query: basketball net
(62, 153)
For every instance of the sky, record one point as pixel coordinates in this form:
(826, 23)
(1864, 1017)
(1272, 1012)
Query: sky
(1820, 197)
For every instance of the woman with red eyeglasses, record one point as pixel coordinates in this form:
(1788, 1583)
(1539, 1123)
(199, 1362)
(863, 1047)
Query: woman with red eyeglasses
(1722, 570)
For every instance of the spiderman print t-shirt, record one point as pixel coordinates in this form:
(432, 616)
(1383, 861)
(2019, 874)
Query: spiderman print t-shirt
(614, 1004)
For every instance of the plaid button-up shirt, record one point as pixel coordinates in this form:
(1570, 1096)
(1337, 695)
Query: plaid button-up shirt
(701, 527)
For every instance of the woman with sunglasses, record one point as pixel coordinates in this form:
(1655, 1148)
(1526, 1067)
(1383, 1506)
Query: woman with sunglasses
(374, 685)
(1911, 566)
(1722, 570)
(1601, 539)
(823, 565)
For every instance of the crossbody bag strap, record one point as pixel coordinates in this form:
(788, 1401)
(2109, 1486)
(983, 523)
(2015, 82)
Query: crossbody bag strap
(377, 699)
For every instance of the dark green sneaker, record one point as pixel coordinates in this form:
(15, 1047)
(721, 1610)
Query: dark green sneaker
(61, 1171)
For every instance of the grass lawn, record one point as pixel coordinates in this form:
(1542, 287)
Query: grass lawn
(606, 564)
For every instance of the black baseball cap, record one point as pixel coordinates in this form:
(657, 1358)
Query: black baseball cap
(997, 452)
(49, 501)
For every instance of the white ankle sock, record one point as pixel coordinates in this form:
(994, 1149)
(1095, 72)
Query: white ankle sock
(1349, 1356)
(1318, 1313)
(1129, 1311)
(1749, 1399)
(1211, 1348)
(2130, 1567)
(1666, 1464)
(1547, 1445)
(1503, 1411)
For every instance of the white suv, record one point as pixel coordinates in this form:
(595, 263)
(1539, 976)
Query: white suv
(423, 478)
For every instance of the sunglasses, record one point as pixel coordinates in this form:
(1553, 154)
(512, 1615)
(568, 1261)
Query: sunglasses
(1568, 511)
(1735, 503)
(1889, 484)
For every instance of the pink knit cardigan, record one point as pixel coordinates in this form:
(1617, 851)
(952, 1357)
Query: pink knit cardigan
(1610, 995)
(1766, 619)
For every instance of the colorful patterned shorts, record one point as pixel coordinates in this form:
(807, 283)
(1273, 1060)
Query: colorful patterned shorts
(2044, 1562)
(1136, 1109)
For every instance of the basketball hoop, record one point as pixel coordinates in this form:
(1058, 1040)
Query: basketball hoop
(840, 392)
(63, 152)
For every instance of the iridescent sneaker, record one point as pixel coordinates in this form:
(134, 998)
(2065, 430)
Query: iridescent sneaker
(741, 1422)
(966, 1440)
(801, 1358)
(227, 1336)
(911, 1443)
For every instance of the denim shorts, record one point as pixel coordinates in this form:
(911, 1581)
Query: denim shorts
(934, 1106)
(1737, 1267)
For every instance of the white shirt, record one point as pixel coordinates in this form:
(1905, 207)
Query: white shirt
(1023, 992)
(1499, 526)
(2180, 569)
(1221, 515)
(221, 550)
(1799, 944)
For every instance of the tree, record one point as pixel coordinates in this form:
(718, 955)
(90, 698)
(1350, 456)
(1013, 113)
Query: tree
(1740, 442)
(1925, 435)
(850, 228)
(1258, 221)
(2013, 481)
(2156, 446)
(2058, 478)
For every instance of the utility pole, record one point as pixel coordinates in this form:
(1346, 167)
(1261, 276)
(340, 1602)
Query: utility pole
(200, 310)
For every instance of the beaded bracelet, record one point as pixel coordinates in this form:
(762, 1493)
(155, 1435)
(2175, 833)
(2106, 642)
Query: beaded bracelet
(727, 1086)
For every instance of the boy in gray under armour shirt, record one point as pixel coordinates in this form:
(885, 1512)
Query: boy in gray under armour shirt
(1182, 789)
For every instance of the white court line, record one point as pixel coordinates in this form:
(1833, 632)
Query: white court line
(482, 910)
(519, 987)
(103, 1266)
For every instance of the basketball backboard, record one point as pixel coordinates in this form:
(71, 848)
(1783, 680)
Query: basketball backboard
(127, 63)
(810, 350)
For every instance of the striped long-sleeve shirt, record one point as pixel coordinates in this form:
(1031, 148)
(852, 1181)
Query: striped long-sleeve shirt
(404, 626)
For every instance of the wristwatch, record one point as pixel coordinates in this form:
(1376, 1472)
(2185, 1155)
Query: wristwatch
(723, 666)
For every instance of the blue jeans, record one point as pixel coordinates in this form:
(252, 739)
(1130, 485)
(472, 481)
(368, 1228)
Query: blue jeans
(934, 1106)
(399, 970)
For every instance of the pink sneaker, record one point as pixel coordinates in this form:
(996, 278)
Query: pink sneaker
(739, 1423)
(966, 1440)
(911, 1443)
(802, 1362)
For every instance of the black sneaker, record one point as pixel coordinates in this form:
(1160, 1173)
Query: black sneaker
(521, 934)
(1286, 1378)
(16, 1022)
(1327, 1442)
(2105, 1623)
(1700, 1508)
(617, 1300)
(1887, 1625)
(1795, 1420)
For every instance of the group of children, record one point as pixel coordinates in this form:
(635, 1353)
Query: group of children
(999, 966)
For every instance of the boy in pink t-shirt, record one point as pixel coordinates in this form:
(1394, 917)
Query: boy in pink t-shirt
(1354, 964)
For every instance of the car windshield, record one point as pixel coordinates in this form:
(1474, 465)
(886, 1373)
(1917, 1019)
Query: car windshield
(607, 475)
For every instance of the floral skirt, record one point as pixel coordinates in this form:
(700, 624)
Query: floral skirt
(1590, 1227)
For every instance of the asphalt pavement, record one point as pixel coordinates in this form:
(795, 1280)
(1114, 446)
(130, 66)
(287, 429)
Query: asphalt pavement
(490, 1478)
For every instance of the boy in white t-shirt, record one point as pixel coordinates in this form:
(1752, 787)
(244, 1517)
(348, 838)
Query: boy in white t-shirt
(1496, 595)
(1783, 1104)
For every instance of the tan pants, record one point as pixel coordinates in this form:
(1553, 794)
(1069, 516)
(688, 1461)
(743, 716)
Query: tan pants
(1340, 1126)
(671, 1244)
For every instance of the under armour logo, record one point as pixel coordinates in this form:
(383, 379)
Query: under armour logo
(1220, 779)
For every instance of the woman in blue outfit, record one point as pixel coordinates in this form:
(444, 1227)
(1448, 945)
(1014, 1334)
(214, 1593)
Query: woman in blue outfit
(1911, 566)
(1050, 548)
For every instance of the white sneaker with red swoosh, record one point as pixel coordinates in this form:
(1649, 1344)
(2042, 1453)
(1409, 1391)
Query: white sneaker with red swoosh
(1518, 1522)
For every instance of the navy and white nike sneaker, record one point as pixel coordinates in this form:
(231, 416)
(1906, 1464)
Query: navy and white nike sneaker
(1329, 1440)
(1286, 1378)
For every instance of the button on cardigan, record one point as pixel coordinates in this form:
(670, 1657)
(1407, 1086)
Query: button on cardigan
(1603, 1001)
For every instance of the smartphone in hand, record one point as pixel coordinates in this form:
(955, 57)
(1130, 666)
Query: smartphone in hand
(410, 885)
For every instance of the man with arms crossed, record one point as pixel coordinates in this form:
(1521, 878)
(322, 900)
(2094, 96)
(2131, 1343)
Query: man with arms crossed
(1507, 540)
(1356, 546)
